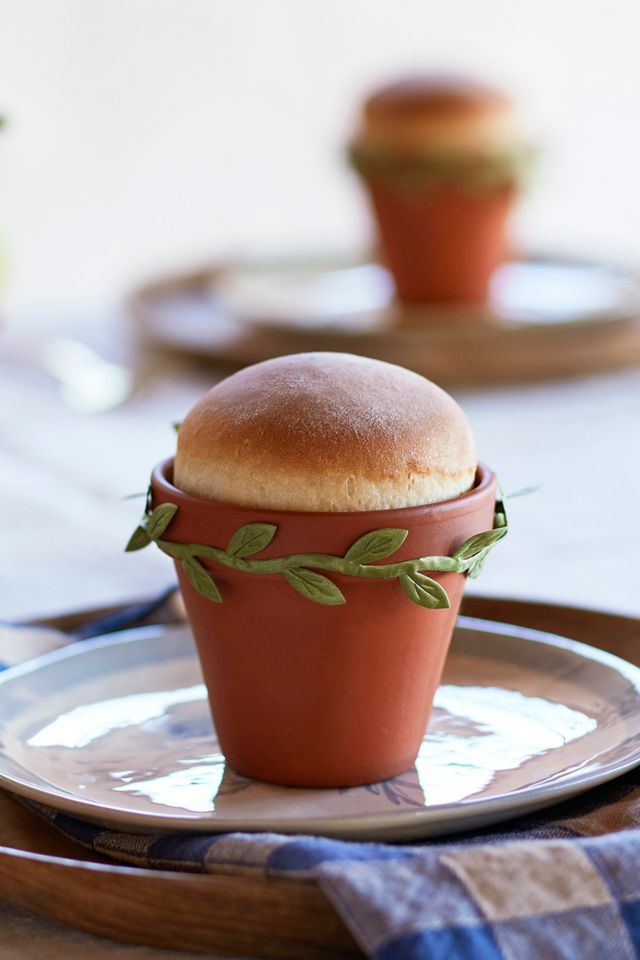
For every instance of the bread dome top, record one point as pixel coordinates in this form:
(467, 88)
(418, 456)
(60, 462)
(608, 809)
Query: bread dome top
(438, 112)
(325, 432)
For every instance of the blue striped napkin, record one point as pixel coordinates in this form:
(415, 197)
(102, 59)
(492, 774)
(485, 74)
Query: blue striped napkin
(563, 885)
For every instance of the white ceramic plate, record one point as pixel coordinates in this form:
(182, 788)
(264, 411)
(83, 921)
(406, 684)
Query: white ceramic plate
(117, 731)
(358, 296)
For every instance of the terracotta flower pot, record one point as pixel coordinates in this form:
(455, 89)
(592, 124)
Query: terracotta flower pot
(442, 243)
(315, 695)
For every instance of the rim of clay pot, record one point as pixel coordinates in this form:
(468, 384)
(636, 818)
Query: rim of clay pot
(465, 503)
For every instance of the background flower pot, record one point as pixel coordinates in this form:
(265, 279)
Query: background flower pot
(311, 695)
(442, 243)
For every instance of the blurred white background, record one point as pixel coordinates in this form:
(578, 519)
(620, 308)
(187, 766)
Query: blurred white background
(146, 134)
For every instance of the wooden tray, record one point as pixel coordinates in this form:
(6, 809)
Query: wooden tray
(229, 912)
(566, 318)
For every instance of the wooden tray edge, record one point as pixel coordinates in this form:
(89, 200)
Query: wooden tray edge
(461, 355)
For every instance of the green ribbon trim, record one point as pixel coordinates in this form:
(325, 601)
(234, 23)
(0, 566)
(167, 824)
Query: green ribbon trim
(300, 570)
(478, 174)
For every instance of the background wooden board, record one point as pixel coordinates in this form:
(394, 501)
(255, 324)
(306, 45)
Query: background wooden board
(469, 348)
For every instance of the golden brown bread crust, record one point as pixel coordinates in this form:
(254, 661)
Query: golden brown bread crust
(438, 95)
(437, 113)
(325, 432)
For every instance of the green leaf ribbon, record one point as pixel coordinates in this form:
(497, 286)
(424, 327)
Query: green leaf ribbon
(314, 586)
(423, 590)
(250, 539)
(301, 570)
(376, 545)
(200, 579)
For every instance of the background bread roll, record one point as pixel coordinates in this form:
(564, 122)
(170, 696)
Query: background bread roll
(325, 432)
(433, 113)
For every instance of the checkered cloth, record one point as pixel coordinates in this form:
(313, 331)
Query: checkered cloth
(562, 886)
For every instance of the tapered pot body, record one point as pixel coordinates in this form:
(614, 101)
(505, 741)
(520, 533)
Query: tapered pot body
(311, 695)
(442, 242)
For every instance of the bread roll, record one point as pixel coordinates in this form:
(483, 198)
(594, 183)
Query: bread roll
(435, 114)
(325, 432)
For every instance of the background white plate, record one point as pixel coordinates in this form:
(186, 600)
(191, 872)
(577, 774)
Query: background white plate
(118, 732)
(358, 295)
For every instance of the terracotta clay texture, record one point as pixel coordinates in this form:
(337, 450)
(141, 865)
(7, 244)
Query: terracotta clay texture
(442, 243)
(322, 696)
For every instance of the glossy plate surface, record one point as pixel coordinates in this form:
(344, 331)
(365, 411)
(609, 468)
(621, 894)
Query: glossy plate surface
(358, 296)
(117, 731)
